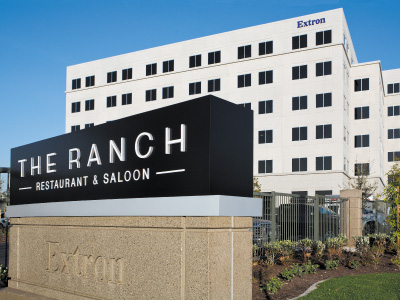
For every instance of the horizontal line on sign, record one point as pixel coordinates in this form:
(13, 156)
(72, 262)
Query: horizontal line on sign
(172, 171)
(25, 188)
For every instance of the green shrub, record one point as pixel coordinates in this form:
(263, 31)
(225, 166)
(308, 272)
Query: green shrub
(3, 276)
(273, 285)
(306, 247)
(331, 264)
(286, 250)
(272, 250)
(318, 248)
(362, 247)
(310, 268)
(334, 246)
(354, 264)
(297, 270)
(288, 274)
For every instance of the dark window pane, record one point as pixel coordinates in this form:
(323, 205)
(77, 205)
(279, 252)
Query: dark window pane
(269, 77)
(320, 100)
(390, 111)
(261, 166)
(357, 113)
(268, 136)
(396, 87)
(269, 106)
(217, 84)
(357, 85)
(303, 71)
(295, 73)
(365, 112)
(303, 102)
(390, 134)
(248, 79)
(303, 41)
(319, 69)
(295, 42)
(261, 78)
(261, 107)
(268, 166)
(327, 68)
(217, 57)
(328, 131)
(390, 156)
(240, 52)
(295, 134)
(390, 88)
(261, 137)
(248, 51)
(328, 37)
(397, 110)
(303, 164)
(295, 164)
(261, 49)
(303, 133)
(328, 163)
(328, 99)
(396, 133)
(319, 162)
(148, 70)
(240, 81)
(192, 62)
(319, 132)
(365, 140)
(295, 103)
(357, 141)
(319, 38)
(365, 84)
(165, 66)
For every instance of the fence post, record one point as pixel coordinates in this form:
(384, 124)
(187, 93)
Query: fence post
(316, 218)
(273, 217)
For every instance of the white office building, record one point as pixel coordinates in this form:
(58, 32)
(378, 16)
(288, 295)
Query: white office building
(319, 115)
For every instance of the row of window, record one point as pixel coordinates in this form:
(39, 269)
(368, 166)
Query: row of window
(322, 37)
(322, 163)
(393, 88)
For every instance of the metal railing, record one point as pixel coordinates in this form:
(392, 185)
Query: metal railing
(295, 217)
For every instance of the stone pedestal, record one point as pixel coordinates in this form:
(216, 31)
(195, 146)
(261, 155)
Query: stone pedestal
(354, 212)
(81, 258)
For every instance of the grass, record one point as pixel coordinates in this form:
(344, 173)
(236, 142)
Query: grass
(370, 286)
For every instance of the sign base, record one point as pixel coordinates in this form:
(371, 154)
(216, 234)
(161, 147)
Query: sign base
(132, 257)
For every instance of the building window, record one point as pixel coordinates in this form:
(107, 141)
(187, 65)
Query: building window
(265, 48)
(127, 74)
(265, 137)
(264, 166)
(361, 84)
(111, 101)
(88, 125)
(195, 88)
(324, 193)
(75, 107)
(151, 95)
(214, 85)
(393, 88)
(299, 133)
(89, 104)
(246, 105)
(323, 68)
(195, 61)
(361, 169)
(112, 76)
(394, 133)
(323, 37)
(214, 57)
(265, 107)
(244, 51)
(244, 80)
(126, 99)
(324, 100)
(323, 131)
(76, 83)
(75, 128)
(90, 81)
(361, 112)
(151, 69)
(393, 156)
(323, 163)
(299, 103)
(299, 72)
(393, 110)
(168, 92)
(299, 41)
(265, 77)
(361, 141)
(168, 66)
(299, 164)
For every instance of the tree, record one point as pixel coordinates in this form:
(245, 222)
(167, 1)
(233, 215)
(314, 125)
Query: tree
(361, 182)
(391, 196)
(256, 185)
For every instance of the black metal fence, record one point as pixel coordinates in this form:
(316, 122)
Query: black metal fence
(295, 217)
(374, 217)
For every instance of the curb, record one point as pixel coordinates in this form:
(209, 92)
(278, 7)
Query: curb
(310, 289)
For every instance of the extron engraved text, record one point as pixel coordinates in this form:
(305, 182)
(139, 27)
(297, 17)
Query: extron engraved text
(80, 265)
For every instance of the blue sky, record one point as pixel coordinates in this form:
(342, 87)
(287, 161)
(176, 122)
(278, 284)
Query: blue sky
(40, 38)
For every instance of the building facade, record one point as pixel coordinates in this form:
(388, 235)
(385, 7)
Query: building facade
(320, 117)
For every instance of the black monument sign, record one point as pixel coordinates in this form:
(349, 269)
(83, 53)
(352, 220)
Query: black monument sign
(199, 147)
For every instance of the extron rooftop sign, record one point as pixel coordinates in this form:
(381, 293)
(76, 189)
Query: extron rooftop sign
(301, 24)
(179, 150)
